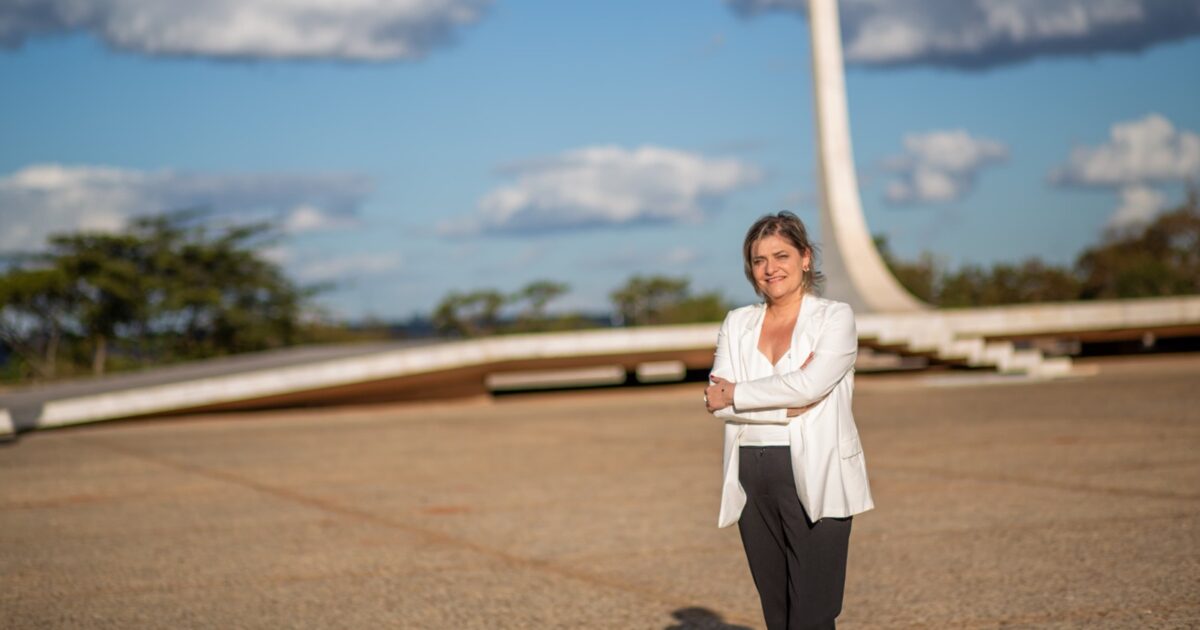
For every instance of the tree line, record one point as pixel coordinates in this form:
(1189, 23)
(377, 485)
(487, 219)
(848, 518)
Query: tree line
(641, 301)
(1159, 258)
(174, 287)
(167, 288)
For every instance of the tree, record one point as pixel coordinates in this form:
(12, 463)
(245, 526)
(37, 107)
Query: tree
(1029, 281)
(469, 314)
(536, 295)
(34, 305)
(232, 299)
(973, 285)
(108, 284)
(167, 287)
(694, 309)
(650, 300)
(644, 300)
(1161, 258)
(920, 277)
(539, 293)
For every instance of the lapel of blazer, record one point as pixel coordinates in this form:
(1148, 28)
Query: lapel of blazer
(804, 336)
(747, 338)
(808, 326)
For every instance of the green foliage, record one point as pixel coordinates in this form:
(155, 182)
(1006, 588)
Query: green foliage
(167, 288)
(1161, 259)
(1158, 259)
(536, 295)
(694, 309)
(653, 300)
(35, 303)
(469, 314)
(646, 300)
(920, 277)
(642, 300)
(108, 281)
(1029, 281)
(479, 313)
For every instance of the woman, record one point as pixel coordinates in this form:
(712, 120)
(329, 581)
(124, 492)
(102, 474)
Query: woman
(782, 380)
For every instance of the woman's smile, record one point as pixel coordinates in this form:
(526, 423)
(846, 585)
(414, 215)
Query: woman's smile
(778, 267)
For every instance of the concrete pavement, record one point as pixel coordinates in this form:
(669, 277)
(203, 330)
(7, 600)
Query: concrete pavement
(1067, 503)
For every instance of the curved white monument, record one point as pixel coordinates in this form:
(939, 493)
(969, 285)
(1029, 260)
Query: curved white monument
(850, 260)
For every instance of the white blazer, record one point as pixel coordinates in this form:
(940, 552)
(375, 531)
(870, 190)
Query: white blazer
(827, 459)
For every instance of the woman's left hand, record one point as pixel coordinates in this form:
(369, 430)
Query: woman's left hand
(719, 393)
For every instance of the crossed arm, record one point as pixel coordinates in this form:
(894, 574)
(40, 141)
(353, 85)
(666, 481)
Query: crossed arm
(719, 394)
(776, 398)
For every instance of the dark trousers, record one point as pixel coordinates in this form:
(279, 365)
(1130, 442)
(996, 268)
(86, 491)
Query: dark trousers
(799, 567)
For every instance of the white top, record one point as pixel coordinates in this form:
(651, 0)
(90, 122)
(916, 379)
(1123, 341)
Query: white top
(766, 434)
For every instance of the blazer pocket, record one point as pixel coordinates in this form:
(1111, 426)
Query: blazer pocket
(849, 447)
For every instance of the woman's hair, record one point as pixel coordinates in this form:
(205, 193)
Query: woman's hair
(789, 227)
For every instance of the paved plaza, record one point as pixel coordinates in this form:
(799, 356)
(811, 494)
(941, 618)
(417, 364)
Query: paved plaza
(1070, 503)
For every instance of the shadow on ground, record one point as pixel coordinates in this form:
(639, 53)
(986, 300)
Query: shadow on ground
(696, 618)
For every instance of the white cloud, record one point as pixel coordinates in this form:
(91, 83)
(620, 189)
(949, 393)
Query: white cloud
(361, 30)
(316, 269)
(1139, 204)
(1137, 152)
(279, 254)
(312, 266)
(940, 166)
(643, 260)
(681, 256)
(44, 199)
(799, 197)
(984, 33)
(308, 218)
(1139, 158)
(606, 186)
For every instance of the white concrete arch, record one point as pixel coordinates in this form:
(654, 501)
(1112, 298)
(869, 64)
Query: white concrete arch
(852, 264)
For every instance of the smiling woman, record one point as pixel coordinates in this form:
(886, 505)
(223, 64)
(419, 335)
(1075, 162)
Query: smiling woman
(782, 381)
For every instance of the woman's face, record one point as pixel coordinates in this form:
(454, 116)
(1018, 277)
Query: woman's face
(778, 267)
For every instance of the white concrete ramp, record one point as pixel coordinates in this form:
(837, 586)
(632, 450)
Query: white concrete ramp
(376, 372)
(967, 338)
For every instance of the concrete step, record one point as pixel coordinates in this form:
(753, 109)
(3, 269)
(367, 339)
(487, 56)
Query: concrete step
(1052, 367)
(940, 346)
(961, 351)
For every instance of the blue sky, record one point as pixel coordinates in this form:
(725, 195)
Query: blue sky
(459, 144)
